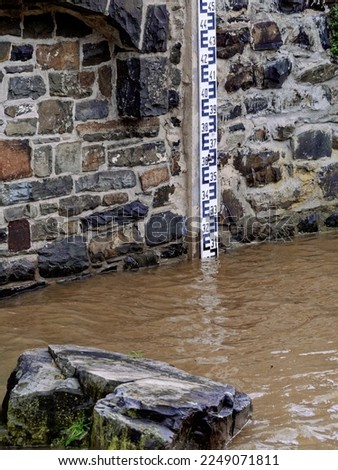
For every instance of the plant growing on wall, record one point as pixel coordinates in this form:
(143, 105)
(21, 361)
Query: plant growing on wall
(334, 30)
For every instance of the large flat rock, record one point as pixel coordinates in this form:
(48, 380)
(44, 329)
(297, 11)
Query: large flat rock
(123, 400)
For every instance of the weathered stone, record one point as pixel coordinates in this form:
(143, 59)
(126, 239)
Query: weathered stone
(94, 6)
(18, 271)
(91, 109)
(128, 18)
(61, 56)
(69, 26)
(55, 117)
(231, 210)
(18, 110)
(50, 187)
(266, 36)
(26, 87)
(27, 211)
(106, 181)
(229, 111)
(332, 220)
(164, 227)
(255, 104)
(173, 99)
(238, 5)
(63, 258)
(283, 132)
(141, 155)
(45, 230)
(232, 42)
(19, 68)
(94, 54)
(303, 39)
(322, 24)
(142, 260)
(162, 194)
(74, 205)
(43, 159)
(105, 81)
(68, 158)
(312, 144)
(5, 49)
(19, 237)
(21, 128)
(93, 157)
(15, 193)
(3, 235)
(309, 224)
(319, 73)
(118, 130)
(328, 181)
(10, 25)
(276, 72)
(173, 251)
(156, 29)
(240, 77)
(15, 157)
(257, 167)
(122, 215)
(113, 199)
(29, 409)
(71, 84)
(154, 177)
(47, 208)
(23, 52)
(175, 75)
(141, 87)
(38, 26)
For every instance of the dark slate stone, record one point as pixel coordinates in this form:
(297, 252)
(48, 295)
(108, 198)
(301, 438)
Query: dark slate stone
(332, 220)
(309, 224)
(322, 25)
(312, 145)
(19, 237)
(266, 36)
(240, 77)
(164, 227)
(173, 99)
(106, 181)
(141, 87)
(15, 193)
(127, 16)
(23, 52)
(292, 6)
(173, 251)
(236, 128)
(328, 181)
(51, 187)
(63, 258)
(11, 291)
(21, 270)
(91, 109)
(19, 68)
(237, 5)
(121, 215)
(94, 54)
(142, 260)
(38, 26)
(156, 29)
(26, 87)
(176, 53)
(257, 167)
(97, 6)
(256, 104)
(10, 25)
(232, 42)
(74, 205)
(127, 248)
(276, 72)
(3, 235)
(302, 39)
(68, 26)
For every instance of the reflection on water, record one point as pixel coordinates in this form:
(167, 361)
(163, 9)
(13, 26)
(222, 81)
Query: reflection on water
(263, 318)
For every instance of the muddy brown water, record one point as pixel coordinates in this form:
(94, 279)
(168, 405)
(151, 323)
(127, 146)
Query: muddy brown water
(263, 318)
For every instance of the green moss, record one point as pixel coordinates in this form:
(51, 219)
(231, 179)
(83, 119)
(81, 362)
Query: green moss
(123, 442)
(333, 17)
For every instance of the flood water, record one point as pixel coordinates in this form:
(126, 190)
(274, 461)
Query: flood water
(263, 318)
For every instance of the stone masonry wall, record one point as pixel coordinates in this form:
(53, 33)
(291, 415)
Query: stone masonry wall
(91, 165)
(278, 127)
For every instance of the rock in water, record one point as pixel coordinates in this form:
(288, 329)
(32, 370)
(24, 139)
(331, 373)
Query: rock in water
(125, 402)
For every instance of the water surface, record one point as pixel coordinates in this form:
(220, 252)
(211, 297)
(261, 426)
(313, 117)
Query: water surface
(263, 318)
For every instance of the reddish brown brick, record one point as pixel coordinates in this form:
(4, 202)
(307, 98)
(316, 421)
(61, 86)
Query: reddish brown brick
(93, 157)
(62, 56)
(113, 199)
(154, 177)
(19, 237)
(15, 157)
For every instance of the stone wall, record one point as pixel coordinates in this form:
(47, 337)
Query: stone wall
(278, 127)
(91, 165)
